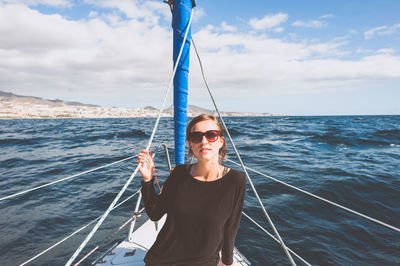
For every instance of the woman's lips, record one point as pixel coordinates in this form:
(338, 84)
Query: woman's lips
(204, 149)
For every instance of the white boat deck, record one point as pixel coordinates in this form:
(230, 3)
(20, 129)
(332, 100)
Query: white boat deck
(132, 252)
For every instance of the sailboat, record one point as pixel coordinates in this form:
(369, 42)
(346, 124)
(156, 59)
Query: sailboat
(132, 250)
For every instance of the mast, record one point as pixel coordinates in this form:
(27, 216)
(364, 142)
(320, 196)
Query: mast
(180, 19)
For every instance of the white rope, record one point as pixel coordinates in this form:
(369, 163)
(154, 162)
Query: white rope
(323, 199)
(268, 233)
(242, 165)
(83, 244)
(77, 231)
(65, 178)
(111, 235)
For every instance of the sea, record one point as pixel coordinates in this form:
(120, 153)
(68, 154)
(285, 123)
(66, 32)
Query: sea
(353, 161)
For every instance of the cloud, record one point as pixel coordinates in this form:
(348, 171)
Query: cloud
(309, 24)
(226, 27)
(327, 16)
(60, 3)
(387, 51)
(198, 13)
(127, 62)
(268, 22)
(381, 30)
(392, 29)
(90, 57)
(370, 33)
(93, 14)
(265, 66)
(361, 50)
(313, 23)
(279, 29)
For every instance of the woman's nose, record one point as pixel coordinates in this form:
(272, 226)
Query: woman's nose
(204, 139)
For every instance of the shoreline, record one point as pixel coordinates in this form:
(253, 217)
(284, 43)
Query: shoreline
(115, 117)
(193, 115)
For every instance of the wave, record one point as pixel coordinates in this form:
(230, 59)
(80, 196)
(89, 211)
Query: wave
(134, 133)
(235, 132)
(391, 134)
(291, 132)
(16, 162)
(25, 141)
(334, 140)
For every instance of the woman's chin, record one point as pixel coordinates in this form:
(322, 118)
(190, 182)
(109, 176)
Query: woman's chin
(205, 157)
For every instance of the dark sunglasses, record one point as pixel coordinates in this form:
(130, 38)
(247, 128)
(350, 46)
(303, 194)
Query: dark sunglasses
(197, 137)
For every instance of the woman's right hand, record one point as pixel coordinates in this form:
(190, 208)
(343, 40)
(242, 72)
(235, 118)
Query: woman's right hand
(147, 165)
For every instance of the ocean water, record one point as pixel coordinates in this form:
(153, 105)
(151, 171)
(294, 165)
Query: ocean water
(351, 160)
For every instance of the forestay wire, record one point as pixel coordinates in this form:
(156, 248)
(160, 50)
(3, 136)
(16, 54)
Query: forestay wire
(241, 163)
(65, 178)
(83, 244)
(323, 199)
(77, 231)
(274, 238)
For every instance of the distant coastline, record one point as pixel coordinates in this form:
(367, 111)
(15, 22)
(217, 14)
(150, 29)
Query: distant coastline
(14, 106)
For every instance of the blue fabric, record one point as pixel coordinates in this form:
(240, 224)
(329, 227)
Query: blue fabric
(180, 20)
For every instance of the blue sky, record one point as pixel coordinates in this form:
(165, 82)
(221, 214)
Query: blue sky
(284, 57)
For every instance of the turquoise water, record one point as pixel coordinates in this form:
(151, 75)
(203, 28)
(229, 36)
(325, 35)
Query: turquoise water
(352, 160)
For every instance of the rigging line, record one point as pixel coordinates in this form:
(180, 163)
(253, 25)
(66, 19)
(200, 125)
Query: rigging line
(268, 233)
(107, 238)
(77, 231)
(323, 199)
(83, 244)
(242, 165)
(65, 178)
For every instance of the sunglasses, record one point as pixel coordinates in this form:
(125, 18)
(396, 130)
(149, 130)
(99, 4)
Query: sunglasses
(197, 137)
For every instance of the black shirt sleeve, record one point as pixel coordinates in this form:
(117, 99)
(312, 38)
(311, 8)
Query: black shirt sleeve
(232, 225)
(156, 205)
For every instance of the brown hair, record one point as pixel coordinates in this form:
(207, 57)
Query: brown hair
(203, 117)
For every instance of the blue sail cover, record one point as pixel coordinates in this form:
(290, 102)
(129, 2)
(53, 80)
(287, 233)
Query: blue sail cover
(180, 20)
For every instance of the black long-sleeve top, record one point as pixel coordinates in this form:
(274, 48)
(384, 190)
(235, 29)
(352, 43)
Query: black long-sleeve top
(202, 217)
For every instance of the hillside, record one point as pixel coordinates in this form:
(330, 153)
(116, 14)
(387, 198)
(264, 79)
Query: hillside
(20, 106)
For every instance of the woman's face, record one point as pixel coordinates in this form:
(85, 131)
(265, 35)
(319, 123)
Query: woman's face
(205, 150)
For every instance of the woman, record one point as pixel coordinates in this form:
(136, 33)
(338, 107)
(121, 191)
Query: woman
(203, 202)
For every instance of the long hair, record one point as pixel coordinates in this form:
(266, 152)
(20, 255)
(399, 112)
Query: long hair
(203, 117)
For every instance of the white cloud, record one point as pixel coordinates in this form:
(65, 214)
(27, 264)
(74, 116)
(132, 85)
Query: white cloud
(198, 13)
(369, 33)
(128, 62)
(268, 22)
(327, 16)
(93, 14)
(129, 8)
(264, 65)
(62, 3)
(392, 29)
(226, 27)
(53, 55)
(386, 51)
(381, 30)
(279, 29)
(361, 50)
(309, 24)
